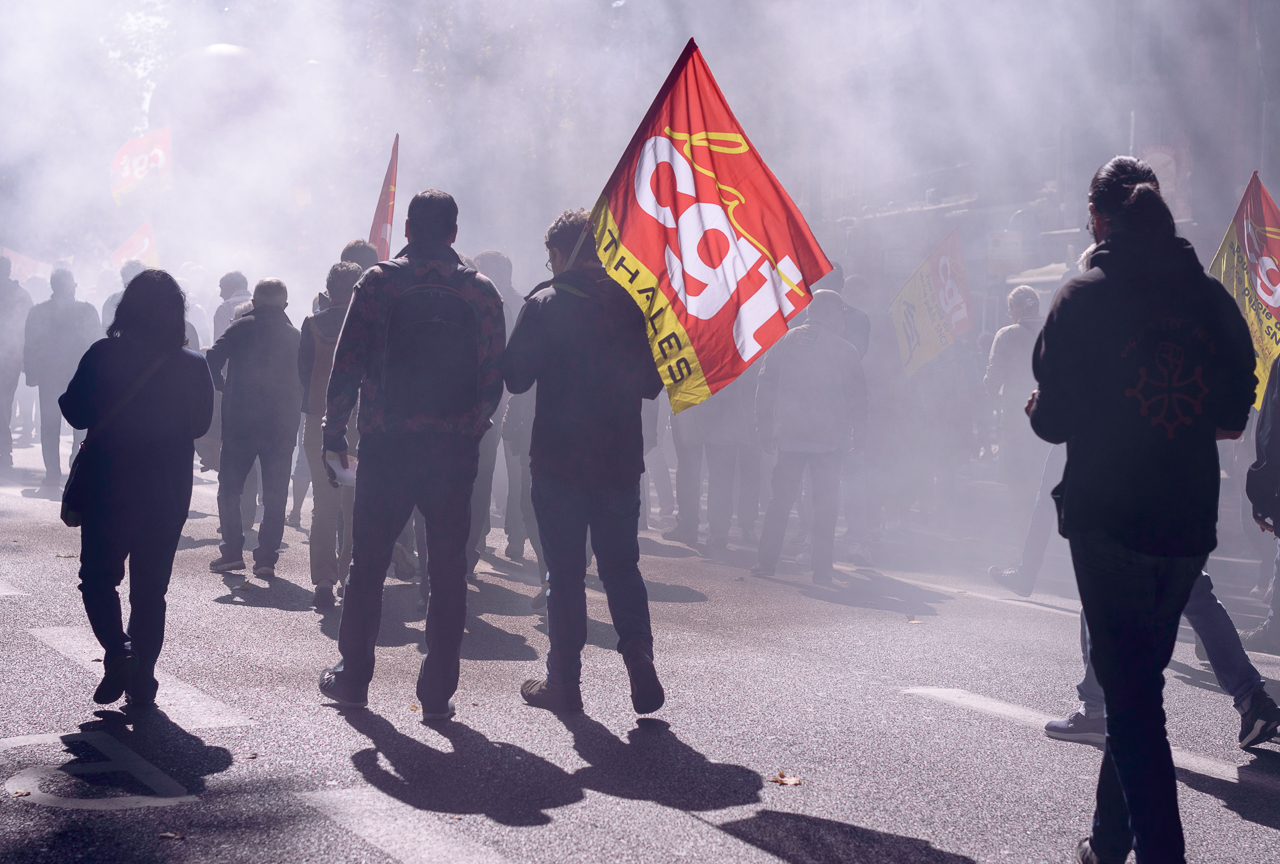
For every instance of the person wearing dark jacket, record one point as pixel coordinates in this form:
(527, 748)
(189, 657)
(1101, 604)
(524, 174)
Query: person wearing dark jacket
(261, 400)
(581, 338)
(318, 342)
(420, 348)
(811, 407)
(1262, 485)
(58, 332)
(144, 399)
(1144, 363)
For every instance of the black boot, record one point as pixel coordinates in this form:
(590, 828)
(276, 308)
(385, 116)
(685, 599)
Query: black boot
(647, 694)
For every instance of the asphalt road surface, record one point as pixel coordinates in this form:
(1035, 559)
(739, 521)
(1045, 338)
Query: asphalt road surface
(907, 700)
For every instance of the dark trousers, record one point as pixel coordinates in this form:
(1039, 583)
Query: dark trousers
(51, 432)
(149, 542)
(481, 495)
(1132, 604)
(564, 514)
(399, 471)
(275, 458)
(724, 463)
(688, 481)
(788, 474)
(9, 375)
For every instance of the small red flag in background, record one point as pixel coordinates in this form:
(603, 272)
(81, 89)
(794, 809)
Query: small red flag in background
(380, 233)
(22, 268)
(142, 245)
(697, 228)
(150, 154)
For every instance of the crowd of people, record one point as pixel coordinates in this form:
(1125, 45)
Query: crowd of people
(443, 366)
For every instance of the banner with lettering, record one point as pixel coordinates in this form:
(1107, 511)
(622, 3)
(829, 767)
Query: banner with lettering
(151, 154)
(1246, 265)
(932, 310)
(142, 245)
(697, 228)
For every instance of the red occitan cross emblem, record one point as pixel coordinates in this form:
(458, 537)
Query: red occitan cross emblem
(1166, 397)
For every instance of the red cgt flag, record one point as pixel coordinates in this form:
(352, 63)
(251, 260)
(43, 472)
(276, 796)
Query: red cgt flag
(142, 245)
(697, 228)
(380, 233)
(150, 154)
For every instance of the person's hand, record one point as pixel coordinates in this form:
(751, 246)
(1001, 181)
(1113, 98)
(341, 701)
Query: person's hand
(1265, 525)
(1031, 400)
(328, 469)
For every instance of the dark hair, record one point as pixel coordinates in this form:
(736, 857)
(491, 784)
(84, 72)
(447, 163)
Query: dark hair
(1127, 191)
(342, 277)
(234, 279)
(62, 276)
(152, 309)
(433, 216)
(270, 292)
(496, 266)
(565, 231)
(130, 269)
(361, 252)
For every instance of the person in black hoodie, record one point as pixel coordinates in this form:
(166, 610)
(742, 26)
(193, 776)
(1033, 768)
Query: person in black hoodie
(144, 399)
(261, 401)
(581, 338)
(1143, 364)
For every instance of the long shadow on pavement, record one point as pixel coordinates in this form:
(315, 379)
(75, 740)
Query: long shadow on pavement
(1254, 802)
(504, 782)
(166, 745)
(801, 839)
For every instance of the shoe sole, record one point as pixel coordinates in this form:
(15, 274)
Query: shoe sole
(1098, 738)
(226, 568)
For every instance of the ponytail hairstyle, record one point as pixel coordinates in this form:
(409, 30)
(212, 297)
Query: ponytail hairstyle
(1127, 192)
(153, 309)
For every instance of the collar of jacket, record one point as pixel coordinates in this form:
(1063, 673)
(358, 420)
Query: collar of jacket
(1134, 256)
(429, 252)
(573, 279)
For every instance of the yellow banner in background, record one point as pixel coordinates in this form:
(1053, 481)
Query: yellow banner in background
(932, 309)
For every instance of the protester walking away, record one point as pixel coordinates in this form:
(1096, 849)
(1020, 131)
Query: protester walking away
(318, 342)
(497, 268)
(1021, 577)
(144, 399)
(1218, 643)
(811, 407)
(581, 338)
(234, 289)
(1262, 486)
(128, 270)
(1022, 455)
(1144, 361)
(15, 304)
(301, 476)
(58, 332)
(360, 252)
(420, 346)
(261, 400)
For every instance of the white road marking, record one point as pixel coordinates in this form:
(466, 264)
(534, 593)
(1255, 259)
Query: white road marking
(26, 783)
(185, 705)
(1216, 768)
(406, 833)
(1013, 601)
(7, 590)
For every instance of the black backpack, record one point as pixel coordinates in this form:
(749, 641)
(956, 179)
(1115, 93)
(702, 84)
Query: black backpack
(431, 365)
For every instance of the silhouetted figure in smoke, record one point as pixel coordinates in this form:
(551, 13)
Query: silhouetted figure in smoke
(582, 340)
(234, 289)
(420, 346)
(1022, 454)
(360, 252)
(497, 267)
(261, 400)
(1143, 362)
(811, 406)
(15, 304)
(144, 399)
(58, 332)
(128, 270)
(315, 361)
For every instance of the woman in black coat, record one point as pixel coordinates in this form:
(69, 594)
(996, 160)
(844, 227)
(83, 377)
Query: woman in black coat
(144, 399)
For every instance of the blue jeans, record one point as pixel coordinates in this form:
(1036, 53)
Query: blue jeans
(564, 513)
(234, 466)
(1132, 604)
(1236, 674)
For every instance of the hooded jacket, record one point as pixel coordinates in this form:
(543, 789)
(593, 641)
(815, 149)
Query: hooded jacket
(1141, 359)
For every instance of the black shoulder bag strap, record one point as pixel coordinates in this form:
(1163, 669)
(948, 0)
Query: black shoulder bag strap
(70, 508)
